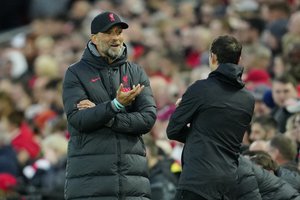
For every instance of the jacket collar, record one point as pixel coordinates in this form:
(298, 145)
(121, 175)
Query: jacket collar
(92, 56)
(230, 74)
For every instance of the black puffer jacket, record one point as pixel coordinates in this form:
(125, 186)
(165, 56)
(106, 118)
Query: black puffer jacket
(291, 177)
(247, 186)
(106, 154)
(270, 186)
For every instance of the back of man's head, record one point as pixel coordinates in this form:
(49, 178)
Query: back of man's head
(264, 160)
(285, 147)
(227, 49)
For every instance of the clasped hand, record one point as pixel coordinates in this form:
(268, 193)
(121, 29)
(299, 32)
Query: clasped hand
(124, 98)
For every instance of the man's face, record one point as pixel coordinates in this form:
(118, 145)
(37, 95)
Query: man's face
(296, 128)
(281, 92)
(242, 32)
(110, 43)
(260, 108)
(257, 132)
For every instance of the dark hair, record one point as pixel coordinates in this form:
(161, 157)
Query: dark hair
(285, 79)
(256, 23)
(227, 49)
(266, 122)
(285, 146)
(265, 160)
(16, 118)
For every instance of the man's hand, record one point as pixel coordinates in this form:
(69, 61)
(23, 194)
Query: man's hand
(84, 104)
(126, 98)
(178, 102)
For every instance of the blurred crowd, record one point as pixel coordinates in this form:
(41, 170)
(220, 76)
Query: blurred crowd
(170, 39)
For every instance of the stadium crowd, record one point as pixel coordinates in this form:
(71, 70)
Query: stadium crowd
(170, 39)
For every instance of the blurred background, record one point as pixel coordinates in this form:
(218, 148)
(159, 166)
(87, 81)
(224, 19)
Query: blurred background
(170, 39)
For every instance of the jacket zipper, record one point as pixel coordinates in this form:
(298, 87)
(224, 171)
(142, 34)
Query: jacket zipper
(119, 166)
(117, 138)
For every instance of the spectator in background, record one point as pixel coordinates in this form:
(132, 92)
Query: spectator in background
(257, 77)
(18, 146)
(292, 59)
(253, 179)
(293, 126)
(284, 89)
(22, 138)
(293, 34)
(162, 180)
(47, 174)
(210, 123)
(109, 105)
(279, 67)
(260, 94)
(283, 151)
(8, 157)
(293, 131)
(277, 25)
(249, 30)
(264, 160)
(278, 11)
(263, 128)
(9, 166)
(256, 60)
(16, 64)
(273, 36)
(258, 145)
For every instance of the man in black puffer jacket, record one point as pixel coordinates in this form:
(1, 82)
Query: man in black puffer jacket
(264, 160)
(109, 105)
(257, 183)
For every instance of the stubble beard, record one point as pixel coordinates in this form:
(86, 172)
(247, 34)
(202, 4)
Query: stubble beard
(114, 53)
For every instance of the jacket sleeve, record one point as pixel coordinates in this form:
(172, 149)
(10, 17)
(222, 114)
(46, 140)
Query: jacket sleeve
(86, 120)
(178, 125)
(142, 115)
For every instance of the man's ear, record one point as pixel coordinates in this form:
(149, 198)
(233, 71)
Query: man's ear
(94, 38)
(214, 59)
